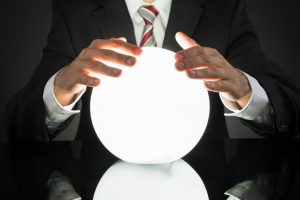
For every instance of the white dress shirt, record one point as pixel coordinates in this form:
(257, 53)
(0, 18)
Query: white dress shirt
(258, 108)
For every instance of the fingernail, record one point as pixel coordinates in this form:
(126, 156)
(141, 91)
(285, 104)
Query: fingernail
(116, 72)
(130, 61)
(123, 39)
(178, 56)
(95, 81)
(138, 51)
(208, 83)
(192, 74)
(179, 65)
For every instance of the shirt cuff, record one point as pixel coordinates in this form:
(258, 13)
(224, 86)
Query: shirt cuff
(257, 109)
(55, 112)
(239, 191)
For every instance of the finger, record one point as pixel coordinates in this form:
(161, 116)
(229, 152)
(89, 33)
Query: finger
(184, 41)
(95, 68)
(197, 61)
(89, 81)
(106, 55)
(119, 38)
(208, 73)
(217, 86)
(191, 52)
(117, 45)
(198, 51)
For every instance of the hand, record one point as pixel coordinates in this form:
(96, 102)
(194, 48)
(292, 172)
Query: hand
(92, 61)
(209, 65)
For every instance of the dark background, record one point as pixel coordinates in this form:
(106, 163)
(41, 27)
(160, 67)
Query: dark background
(24, 26)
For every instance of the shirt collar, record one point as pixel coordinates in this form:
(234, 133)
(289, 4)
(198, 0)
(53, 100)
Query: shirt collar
(163, 7)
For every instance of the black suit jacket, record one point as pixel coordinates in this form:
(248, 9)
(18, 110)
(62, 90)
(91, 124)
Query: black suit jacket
(223, 25)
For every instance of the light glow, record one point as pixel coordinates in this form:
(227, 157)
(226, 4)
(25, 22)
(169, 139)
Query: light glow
(176, 181)
(152, 113)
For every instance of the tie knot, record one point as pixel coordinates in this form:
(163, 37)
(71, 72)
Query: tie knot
(148, 13)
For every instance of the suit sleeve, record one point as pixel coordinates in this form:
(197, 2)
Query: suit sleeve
(245, 53)
(25, 113)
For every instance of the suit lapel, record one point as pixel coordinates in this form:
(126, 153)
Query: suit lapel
(184, 17)
(113, 20)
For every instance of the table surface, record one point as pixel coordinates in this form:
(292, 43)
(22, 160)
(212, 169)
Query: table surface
(27, 167)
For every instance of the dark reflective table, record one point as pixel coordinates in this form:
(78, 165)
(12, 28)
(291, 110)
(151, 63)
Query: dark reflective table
(74, 170)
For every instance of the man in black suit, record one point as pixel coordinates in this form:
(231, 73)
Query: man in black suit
(215, 34)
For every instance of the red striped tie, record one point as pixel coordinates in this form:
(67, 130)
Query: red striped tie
(148, 13)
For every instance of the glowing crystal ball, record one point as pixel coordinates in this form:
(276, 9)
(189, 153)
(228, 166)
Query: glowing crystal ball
(176, 181)
(152, 113)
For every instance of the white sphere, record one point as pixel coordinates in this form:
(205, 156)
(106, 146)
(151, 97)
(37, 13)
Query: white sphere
(152, 113)
(176, 181)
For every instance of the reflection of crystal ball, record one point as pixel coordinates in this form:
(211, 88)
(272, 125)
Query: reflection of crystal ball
(152, 113)
(176, 181)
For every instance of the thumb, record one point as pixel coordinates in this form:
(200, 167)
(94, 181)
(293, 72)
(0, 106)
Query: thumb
(184, 41)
